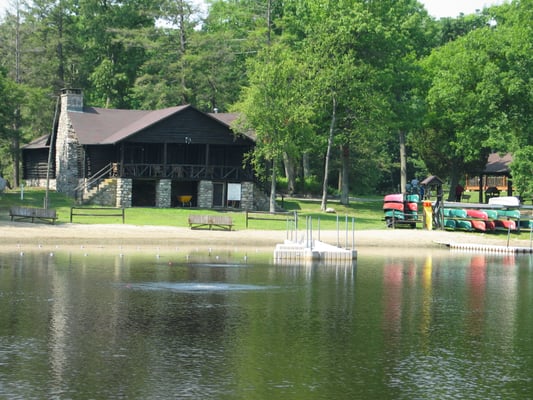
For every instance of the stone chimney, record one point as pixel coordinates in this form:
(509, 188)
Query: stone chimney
(67, 148)
(72, 100)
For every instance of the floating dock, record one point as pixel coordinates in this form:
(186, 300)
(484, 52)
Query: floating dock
(486, 248)
(292, 252)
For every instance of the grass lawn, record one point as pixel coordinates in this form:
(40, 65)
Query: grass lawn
(366, 213)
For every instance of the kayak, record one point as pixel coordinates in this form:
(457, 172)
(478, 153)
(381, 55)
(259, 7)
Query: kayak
(479, 214)
(457, 212)
(505, 224)
(397, 197)
(491, 214)
(479, 225)
(412, 206)
(412, 198)
(490, 225)
(509, 213)
(393, 206)
(394, 213)
(449, 223)
(463, 224)
(526, 223)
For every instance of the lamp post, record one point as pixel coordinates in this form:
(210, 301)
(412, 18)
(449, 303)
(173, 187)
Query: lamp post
(50, 152)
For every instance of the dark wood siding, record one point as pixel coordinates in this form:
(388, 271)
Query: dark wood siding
(35, 164)
(189, 126)
(98, 157)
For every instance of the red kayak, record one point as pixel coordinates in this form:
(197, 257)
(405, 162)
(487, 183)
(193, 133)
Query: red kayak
(490, 225)
(505, 223)
(479, 225)
(412, 206)
(397, 197)
(393, 206)
(479, 214)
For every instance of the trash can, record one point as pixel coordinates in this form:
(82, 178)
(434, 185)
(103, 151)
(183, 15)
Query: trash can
(428, 215)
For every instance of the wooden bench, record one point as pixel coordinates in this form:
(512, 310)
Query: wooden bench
(268, 216)
(210, 221)
(97, 212)
(43, 214)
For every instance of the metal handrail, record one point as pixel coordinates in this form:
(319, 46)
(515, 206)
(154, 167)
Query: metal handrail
(96, 178)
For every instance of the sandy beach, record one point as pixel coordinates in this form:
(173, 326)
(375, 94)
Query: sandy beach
(28, 235)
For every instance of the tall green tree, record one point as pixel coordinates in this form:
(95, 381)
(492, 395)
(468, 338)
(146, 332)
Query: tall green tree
(480, 94)
(273, 107)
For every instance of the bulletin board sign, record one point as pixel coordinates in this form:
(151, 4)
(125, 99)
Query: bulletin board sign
(234, 192)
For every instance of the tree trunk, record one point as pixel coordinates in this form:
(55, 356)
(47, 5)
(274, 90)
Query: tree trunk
(272, 205)
(345, 182)
(454, 180)
(290, 173)
(403, 163)
(306, 165)
(324, 203)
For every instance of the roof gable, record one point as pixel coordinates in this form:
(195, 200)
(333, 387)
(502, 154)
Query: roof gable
(105, 126)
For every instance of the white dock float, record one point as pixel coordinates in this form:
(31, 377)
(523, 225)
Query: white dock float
(485, 248)
(290, 252)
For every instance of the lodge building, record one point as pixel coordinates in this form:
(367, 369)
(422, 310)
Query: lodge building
(177, 156)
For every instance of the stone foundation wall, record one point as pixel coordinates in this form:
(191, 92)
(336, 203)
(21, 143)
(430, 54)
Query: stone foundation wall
(163, 195)
(106, 196)
(247, 196)
(41, 183)
(124, 192)
(205, 194)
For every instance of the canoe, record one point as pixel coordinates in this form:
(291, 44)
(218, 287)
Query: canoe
(412, 198)
(411, 215)
(479, 225)
(479, 214)
(397, 197)
(394, 213)
(490, 225)
(491, 214)
(505, 224)
(464, 224)
(526, 223)
(412, 206)
(508, 214)
(449, 224)
(458, 212)
(393, 206)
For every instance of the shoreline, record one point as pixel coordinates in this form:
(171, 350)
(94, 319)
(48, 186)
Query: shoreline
(17, 235)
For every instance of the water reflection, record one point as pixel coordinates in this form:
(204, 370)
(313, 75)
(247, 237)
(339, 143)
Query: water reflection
(141, 327)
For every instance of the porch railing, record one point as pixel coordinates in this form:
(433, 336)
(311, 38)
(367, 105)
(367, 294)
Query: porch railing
(184, 171)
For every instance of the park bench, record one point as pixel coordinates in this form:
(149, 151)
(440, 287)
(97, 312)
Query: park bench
(210, 221)
(271, 216)
(97, 212)
(22, 213)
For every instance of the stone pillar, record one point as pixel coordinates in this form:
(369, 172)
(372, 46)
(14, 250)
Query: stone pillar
(247, 196)
(124, 192)
(163, 193)
(205, 194)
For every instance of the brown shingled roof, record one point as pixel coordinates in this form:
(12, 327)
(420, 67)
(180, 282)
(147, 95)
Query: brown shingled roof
(226, 118)
(105, 126)
(38, 143)
(497, 164)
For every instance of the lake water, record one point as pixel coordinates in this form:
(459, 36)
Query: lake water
(207, 326)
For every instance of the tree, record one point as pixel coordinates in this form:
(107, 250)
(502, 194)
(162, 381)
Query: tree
(272, 105)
